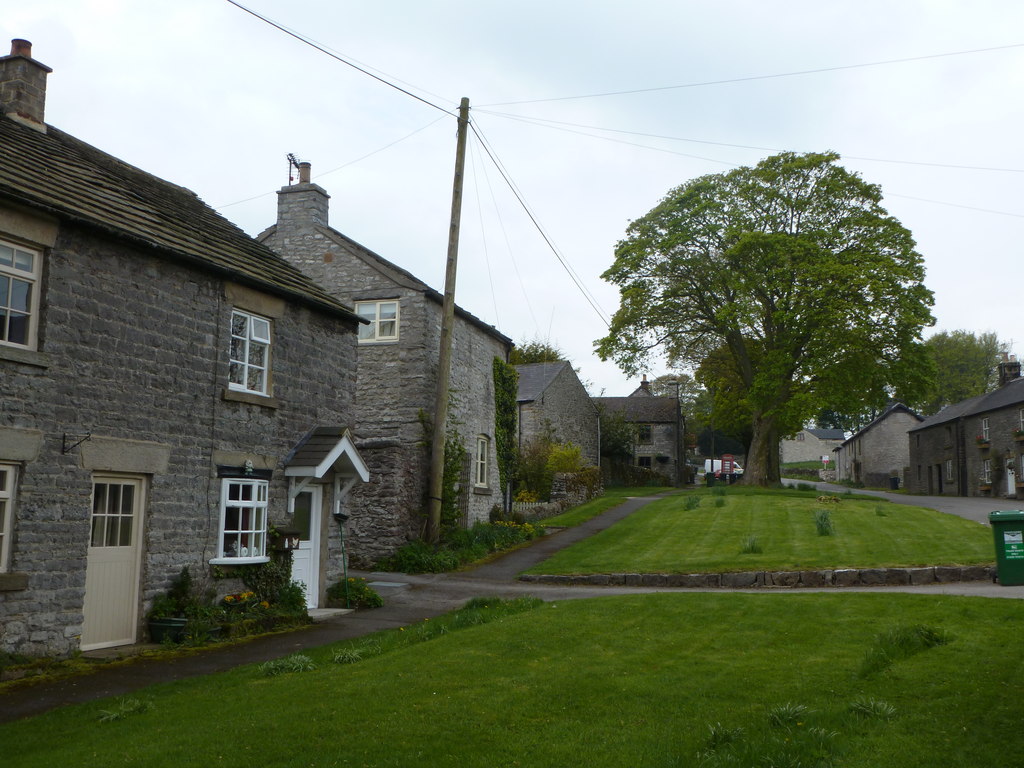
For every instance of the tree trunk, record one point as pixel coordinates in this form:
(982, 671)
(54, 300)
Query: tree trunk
(763, 457)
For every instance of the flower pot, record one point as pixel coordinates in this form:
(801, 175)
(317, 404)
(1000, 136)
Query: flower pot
(171, 629)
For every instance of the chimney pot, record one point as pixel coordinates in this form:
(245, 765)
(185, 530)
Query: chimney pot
(21, 47)
(304, 173)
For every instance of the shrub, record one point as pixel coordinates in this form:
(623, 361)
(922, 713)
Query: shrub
(565, 457)
(691, 503)
(900, 643)
(359, 593)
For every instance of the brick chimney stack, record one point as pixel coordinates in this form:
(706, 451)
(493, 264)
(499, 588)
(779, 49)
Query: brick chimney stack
(23, 86)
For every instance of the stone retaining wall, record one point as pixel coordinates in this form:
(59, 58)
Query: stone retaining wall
(840, 577)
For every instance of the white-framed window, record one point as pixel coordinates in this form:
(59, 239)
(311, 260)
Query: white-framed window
(949, 470)
(799, 437)
(483, 449)
(1020, 420)
(8, 481)
(383, 317)
(19, 295)
(250, 353)
(243, 520)
(986, 471)
(985, 435)
(113, 512)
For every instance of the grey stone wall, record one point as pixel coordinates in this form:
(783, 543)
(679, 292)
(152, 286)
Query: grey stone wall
(566, 406)
(810, 448)
(395, 380)
(929, 449)
(879, 453)
(134, 347)
(661, 451)
(1004, 454)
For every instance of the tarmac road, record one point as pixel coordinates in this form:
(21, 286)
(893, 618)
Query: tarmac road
(412, 598)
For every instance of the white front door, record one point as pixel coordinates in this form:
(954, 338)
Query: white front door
(1011, 479)
(111, 605)
(306, 559)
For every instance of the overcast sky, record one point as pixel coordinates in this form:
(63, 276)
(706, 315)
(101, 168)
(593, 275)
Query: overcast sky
(582, 104)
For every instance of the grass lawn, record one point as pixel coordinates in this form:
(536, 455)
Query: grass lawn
(611, 497)
(702, 680)
(666, 537)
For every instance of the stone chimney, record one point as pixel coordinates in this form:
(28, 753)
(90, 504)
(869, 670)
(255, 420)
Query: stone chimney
(1009, 369)
(23, 86)
(301, 207)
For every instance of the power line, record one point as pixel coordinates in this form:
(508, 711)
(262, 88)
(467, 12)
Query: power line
(543, 121)
(336, 57)
(533, 219)
(757, 77)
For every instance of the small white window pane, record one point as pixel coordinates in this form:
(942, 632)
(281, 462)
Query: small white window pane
(255, 381)
(236, 373)
(260, 329)
(388, 311)
(239, 325)
(366, 331)
(23, 261)
(98, 523)
(20, 295)
(4, 283)
(257, 354)
(6, 256)
(17, 328)
(387, 329)
(369, 311)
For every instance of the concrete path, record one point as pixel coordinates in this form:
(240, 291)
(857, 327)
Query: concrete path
(408, 600)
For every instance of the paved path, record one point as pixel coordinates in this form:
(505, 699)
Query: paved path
(408, 599)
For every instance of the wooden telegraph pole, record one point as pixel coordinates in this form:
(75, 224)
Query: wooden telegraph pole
(444, 362)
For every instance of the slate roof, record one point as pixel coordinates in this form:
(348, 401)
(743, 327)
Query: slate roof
(59, 174)
(643, 410)
(397, 275)
(534, 378)
(828, 434)
(893, 408)
(1010, 394)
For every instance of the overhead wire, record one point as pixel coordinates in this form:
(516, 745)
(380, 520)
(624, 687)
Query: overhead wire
(758, 77)
(537, 225)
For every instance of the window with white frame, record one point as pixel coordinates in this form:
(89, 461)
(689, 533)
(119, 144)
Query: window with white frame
(949, 470)
(1020, 420)
(483, 447)
(19, 295)
(243, 520)
(984, 429)
(250, 353)
(8, 478)
(383, 317)
(986, 471)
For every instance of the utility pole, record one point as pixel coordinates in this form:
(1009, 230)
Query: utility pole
(444, 361)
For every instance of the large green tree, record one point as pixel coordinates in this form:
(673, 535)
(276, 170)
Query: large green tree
(965, 365)
(791, 284)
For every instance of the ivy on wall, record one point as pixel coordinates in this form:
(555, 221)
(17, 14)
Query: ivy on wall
(506, 392)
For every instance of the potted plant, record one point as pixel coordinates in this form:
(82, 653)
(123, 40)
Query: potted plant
(983, 442)
(182, 614)
(1018, 435)
(167, 617)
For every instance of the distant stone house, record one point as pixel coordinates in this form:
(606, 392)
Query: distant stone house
(396, 374)
(879, 452)
(658, 429)
(810, 445)
(552, 400)
(974, 447)
(158, 405)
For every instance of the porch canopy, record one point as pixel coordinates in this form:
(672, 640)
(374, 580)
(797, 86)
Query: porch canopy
(325, 453)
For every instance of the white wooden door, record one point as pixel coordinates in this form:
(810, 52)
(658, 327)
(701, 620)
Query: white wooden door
(306, 559)
(111, 606)
(1011, 479)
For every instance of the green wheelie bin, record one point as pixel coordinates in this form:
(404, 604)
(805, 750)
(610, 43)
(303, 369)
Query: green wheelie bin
(1008, 532)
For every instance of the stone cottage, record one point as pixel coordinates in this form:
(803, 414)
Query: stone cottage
(552, 400)
(657, 419)
(397, 367)
(974, 447)
(810, 445)
(158, 405)
(878, 454)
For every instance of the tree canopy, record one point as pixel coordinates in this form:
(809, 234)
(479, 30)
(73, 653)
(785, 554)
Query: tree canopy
(966, 365)
(787, 285)
(535, 351)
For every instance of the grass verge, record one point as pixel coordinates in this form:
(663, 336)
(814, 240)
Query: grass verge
(611, 498)
(642, 680)
(667, 537)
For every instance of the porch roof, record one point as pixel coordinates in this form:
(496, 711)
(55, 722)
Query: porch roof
(325, 449)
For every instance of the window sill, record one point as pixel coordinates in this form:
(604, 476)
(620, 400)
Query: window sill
(376, 342)
(12, 582)
(239, 560)
(26, 356)
(482, 491)
(236, 396)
